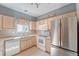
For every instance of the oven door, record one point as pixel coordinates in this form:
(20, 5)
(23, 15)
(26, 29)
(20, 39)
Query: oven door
(41, 40)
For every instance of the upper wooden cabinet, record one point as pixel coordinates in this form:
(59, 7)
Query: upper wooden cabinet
(32, 25)
(22, 21)
(43, 24)
(43, 21)
(8, 22)
(0, 21)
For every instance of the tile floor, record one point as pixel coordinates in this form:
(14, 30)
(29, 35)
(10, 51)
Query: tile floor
(34, 51)
(55, 51)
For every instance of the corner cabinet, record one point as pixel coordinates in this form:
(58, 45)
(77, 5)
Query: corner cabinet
(32, 25)
(27, 42)
(8, 22)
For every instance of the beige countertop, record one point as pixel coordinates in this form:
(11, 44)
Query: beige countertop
(14, 37)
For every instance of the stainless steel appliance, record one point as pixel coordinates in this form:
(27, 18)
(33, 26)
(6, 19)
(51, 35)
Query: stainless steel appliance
(69, 40)
(70, 34)
(12, 47)
(55, 32)
(43, 33)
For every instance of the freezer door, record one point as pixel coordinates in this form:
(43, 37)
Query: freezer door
(73, 33)
(55, 32)
(64, 33)
(70, 33)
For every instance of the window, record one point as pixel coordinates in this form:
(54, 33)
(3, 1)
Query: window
(22, 28)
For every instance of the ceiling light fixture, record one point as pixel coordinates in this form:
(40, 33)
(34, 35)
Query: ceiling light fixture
(37, 4)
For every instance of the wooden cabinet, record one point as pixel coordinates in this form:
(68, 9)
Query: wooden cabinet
(43, 21)
(23, 44)
(34, 41)
(28, 42)
(22, 21)
(32, 25)
(0, 21)
(1, 48)
(8, 22)
(47, 44)
(44, 24)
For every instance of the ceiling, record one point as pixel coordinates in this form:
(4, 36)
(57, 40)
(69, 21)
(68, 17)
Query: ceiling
(32, 9)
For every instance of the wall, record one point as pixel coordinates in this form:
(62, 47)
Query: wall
(68, 8)
(16, 14)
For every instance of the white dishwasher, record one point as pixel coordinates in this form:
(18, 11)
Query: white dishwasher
(12, 47)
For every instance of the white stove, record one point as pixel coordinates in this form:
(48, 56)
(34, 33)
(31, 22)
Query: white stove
(41, 42)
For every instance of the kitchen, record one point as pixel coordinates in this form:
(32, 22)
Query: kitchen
(26, 32)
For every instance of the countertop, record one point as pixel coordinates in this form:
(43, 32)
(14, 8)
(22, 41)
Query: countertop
(14, 37)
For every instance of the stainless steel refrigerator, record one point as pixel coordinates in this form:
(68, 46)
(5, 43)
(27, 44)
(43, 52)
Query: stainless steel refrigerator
(55, 33)
(67, 29)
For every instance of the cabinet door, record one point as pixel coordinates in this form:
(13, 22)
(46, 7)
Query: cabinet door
(8, 22)
(30, 42)
(48, 44)
(11, 22)
(0, 21)
(49, 24)
(23, 45)
(33, 25)
(27, 44)
(1, 48)
(22, 21)
(72, 27)
(34, 42)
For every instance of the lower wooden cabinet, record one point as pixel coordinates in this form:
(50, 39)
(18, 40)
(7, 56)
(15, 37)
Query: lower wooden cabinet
(28, 42)
(1, 48)
(34, 42)
(23, 44)
(47, 45)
